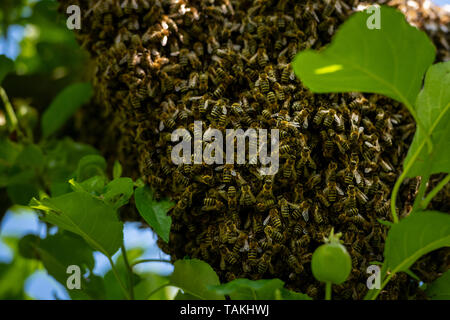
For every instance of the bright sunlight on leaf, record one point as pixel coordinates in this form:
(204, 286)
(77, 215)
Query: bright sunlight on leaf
(389, 61)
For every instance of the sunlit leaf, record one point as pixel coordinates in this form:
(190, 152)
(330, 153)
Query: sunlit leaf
(433, 108)
(80, 213)
(390, 61)
(414, 236)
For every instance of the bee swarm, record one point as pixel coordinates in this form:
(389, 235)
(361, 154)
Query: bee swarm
(161, 65)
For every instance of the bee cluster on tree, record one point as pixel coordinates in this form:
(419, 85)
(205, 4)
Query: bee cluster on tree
(162, 64)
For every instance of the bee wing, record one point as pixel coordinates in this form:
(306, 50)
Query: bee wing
(358, 177)
(266, 220)
(305, 214)
(361, 196)
(339, 190)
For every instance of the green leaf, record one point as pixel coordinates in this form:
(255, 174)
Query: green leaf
(149, 283)
(421, 232)
(118, 192)
(64, 106)
(245, 289)
(194, 277)
(153, 212)
(94, 185)
(14, 274)
(112, 287)
(292, 295)
(6, 66)
(433, 108)
(62, 159)
(31, 156)
(8, 152)
(439, 289)
(390, 61)
(27, 246)
(80, 213)
(117, 170)
(90, 166)
(62, 250)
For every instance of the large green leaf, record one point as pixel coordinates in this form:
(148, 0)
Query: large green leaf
(154, 212)
(194, 277)
(246, 289)
(433, 108)
(439, 289)
(390, 61)
(92, 219)
(64, 106)
(6, 66)
(414, 236)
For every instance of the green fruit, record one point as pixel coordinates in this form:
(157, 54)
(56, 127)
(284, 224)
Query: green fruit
(331, 261)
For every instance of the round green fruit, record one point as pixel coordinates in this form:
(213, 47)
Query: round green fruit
(331, 262)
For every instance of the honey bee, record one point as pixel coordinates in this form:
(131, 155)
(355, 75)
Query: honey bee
(258, 226)
(322, 198)
(264, 263)
(219, 91)
(247, 197)
(317, 215)
(273, 234)
(275, 218)
(263, 82)
(263, 58)
(319, 116)
(227, 256)
(211, 204)
(252, 253)
(314, 181)
(286, 74)
(303, 241)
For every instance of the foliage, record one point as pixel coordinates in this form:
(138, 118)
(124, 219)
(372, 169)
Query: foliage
(365, 67)
(440, 288)
(154, 213)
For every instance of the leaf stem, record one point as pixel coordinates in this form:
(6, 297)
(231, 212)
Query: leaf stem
(328, 290)
(116, 274)
(157, 289)
(424, 204)
(400, 180)
(11, 115)
(129, 270)
(421, 192)
(385, 282)
(149, 260)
